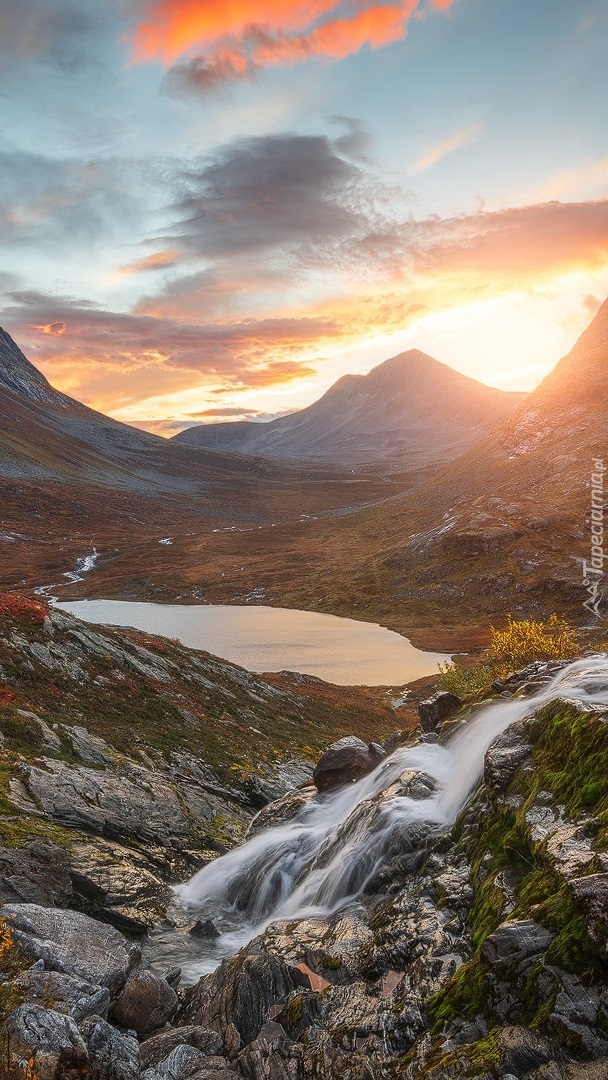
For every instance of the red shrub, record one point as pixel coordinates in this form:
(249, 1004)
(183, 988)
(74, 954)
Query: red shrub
(17, 606)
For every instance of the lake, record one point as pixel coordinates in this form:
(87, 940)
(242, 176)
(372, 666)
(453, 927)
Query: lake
(342, 651)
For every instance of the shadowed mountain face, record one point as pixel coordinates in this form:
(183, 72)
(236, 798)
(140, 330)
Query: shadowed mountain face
(47, 435)
(409, 411)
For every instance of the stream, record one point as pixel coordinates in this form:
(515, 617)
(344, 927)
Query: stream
(321, 859)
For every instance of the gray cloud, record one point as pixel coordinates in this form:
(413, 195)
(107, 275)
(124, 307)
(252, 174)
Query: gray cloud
(55, 31)
(266, 193)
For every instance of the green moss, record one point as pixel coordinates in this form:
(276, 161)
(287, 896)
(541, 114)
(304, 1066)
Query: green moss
(473, 1059)
(331, 963)
(464, 995)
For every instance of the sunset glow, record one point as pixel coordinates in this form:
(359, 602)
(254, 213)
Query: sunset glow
(243, 202)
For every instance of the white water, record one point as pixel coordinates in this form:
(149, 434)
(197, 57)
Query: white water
(322, 859)
(84, 563)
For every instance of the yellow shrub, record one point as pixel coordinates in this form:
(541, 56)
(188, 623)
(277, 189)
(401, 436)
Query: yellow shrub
(526, 641)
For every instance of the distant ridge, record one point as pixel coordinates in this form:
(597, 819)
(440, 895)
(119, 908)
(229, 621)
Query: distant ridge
(410, 410)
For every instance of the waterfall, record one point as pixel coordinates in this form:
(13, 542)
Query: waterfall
(325, 855)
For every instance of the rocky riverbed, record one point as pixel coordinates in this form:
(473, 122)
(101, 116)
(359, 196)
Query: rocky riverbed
(477, 951)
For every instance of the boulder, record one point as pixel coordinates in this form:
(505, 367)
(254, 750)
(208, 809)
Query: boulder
(436, 708)
(346, 760)
(235, 1000)
(73, 943)
(73, 997)
(47, 1039)
(204, 928)
(282, 810)
(516, 940)
(112, 1056)
(158, 1047)
(36, 873)
(146, 1003)
(182, 1063)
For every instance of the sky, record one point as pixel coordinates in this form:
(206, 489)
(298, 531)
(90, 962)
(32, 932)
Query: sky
(211, 211)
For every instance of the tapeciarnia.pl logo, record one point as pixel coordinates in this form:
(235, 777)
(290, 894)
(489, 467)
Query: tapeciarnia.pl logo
(593, 569)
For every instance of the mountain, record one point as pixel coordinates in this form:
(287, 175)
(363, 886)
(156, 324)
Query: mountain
(408, 411)
(72, 479)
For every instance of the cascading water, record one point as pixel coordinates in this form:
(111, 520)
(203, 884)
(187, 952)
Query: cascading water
(325, 855)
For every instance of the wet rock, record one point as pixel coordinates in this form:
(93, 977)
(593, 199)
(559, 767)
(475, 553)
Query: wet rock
(282, 810)
(204, 929)
(146, 1003)
(36, 873)
(346, 760)
(508, 753)
(73, 943)
(394, 741)
(47, 1038)
(523, 1050)
(118, 882)
(74, 997)
(516, 940)
(158, 1047)
(112, 1056)
(241, 992)
(436, 708)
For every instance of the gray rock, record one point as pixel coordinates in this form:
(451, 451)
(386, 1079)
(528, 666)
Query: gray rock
(346, 760)
(516, 940)
(204, 929)
(112, 1056)
(282, 810)
(436, 708)
(118, 882)
(504, 757)
(523, 1049)
(592, 892)
(73, 943)
(90, 748)
(158, 1047)
(146, 1003)
(182, 1063)
(140, 806)
(49, 1038)
(36, 873)
(239, 995)
(74, 997)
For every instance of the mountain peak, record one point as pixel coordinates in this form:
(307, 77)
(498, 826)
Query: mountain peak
(20, 377)
(582, 375)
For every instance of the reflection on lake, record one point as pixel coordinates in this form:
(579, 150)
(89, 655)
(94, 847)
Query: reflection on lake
(338, 650)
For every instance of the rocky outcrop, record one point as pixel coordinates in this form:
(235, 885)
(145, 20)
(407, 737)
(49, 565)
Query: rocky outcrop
(436, 708)
(72, 943)
(476, 951)
(479, 954)
(346, 760)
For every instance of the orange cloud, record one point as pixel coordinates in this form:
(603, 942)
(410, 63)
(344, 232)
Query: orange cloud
(160, 260)
(236, 39)
(54, 328)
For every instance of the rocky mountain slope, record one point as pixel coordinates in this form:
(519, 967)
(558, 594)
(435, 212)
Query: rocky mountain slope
(503, 528)
(72, 479)
(407, 412)
(477, 950)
